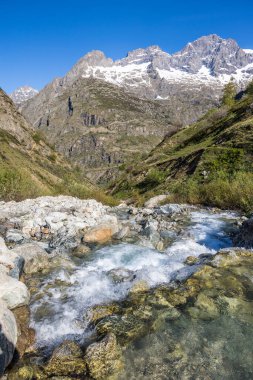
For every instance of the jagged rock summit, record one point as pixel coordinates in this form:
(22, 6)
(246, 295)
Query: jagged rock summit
(22, 94)
(150, 72)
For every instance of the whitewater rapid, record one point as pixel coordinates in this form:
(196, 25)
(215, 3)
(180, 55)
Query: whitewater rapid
(60, 307)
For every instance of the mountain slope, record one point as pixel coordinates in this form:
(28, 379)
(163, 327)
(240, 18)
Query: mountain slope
(210, 162)
(98, 125)
(29, 167)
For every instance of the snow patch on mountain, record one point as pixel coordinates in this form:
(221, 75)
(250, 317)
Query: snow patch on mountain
(22, 94)
(248, 51)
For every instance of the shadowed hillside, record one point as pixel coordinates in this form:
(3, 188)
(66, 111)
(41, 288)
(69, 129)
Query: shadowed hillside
(29, 167)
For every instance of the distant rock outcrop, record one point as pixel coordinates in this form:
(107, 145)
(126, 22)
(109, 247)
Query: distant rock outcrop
(22, 94)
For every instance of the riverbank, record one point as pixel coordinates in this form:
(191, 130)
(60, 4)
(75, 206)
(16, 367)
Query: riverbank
(95, 272)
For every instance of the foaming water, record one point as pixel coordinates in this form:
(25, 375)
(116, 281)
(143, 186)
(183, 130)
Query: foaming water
(61, 306)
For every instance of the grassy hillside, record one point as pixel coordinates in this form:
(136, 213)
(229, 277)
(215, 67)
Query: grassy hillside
(29, 167)
(209, 162)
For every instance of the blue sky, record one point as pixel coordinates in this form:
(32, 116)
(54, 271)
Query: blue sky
(42, 39)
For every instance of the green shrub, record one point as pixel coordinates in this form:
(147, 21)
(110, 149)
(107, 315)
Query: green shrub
(223, 192)
(16, 185)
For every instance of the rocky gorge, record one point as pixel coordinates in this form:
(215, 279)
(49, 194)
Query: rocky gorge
(89, 291)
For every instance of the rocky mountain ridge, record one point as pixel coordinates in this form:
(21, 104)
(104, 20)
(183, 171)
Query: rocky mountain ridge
(151, 72)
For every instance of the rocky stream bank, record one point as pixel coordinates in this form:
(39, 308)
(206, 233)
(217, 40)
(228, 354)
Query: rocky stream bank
(89, 291)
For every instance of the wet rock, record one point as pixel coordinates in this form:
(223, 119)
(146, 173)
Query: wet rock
(102, 311)
(172, 209)
(35, 257)
(231, 257)
(239, 308)
(81, 251)
(164, 317)
(244, 237)
(121, 275)
(23, 373)
(104, 358)
(66, 360)
(160, 246)
(204, 308)
(191, 260)
(123, 232)
(139, 287)
(26, 335)
(8, 336)
(13, 292)
(126, 327)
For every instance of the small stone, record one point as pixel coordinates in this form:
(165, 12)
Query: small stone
(191, 260)
(81, 251)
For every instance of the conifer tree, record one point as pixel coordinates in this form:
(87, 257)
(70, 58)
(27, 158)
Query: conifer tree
(229, 93)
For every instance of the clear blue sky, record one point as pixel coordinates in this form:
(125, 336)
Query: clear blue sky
(42, 39)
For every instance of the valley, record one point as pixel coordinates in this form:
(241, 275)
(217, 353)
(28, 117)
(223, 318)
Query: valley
(126, 200)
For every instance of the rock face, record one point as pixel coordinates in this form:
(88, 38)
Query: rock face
(8, 336)
(29, 166)
(97, 124)
(23, 94)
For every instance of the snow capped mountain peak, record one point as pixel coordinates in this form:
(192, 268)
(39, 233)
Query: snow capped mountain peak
(209, 61)
(248, 51)
(23, 93)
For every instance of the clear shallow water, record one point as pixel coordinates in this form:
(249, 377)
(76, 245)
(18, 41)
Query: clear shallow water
(60, 307)
(188, 349)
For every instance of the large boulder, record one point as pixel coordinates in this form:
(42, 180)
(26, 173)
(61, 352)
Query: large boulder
(100, 234)
(8, 336)
(104, 358)
(13, 292)
(35, 257)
